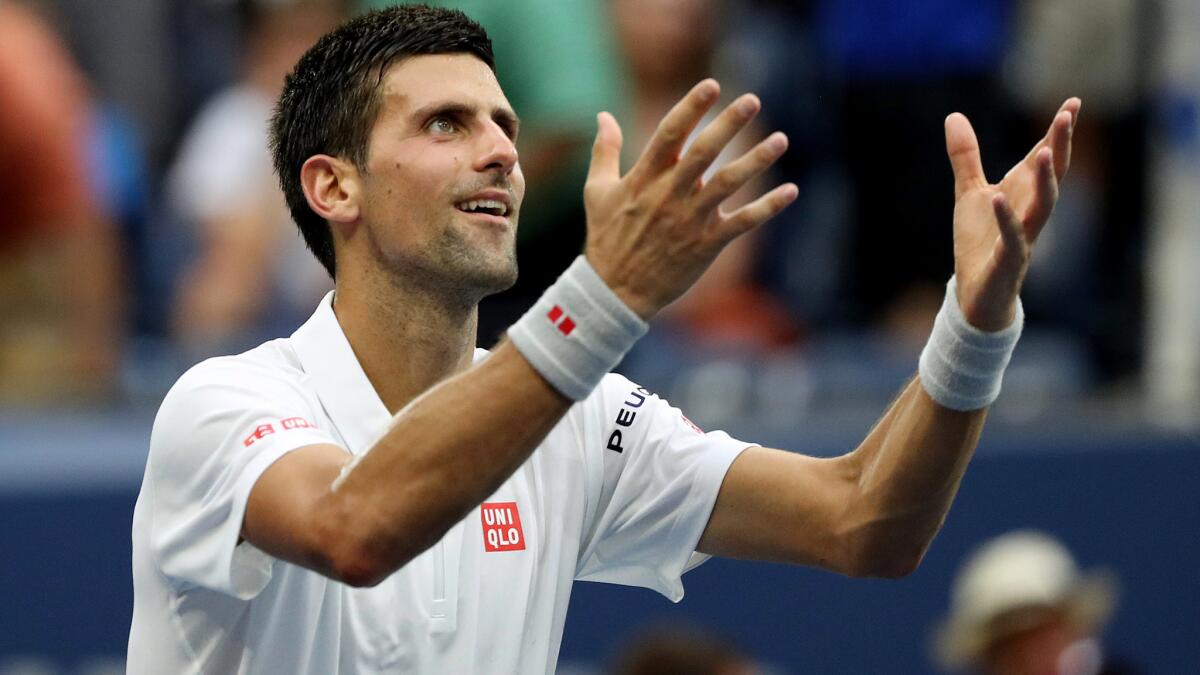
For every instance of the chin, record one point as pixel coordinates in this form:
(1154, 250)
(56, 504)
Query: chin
(475, 272)
(464, 265)
(500, 276)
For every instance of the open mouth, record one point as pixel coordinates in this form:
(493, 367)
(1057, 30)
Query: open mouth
(489, 207)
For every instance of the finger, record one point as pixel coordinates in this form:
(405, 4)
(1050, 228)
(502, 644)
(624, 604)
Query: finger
(663, 149)
(1047, 194)
(1061, 130)
(709, 144)
(606, 150)
(963, 149)
(1012, 235)
(758, 211)
(737, 173)
(1058, 137)
(1072, 105)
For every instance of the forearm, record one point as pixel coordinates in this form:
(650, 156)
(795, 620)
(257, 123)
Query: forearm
(874, 511)
(910, 466)
(908, 471)
(443, 455)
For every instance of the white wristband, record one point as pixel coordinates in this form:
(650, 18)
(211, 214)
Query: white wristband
(577, 331)
(961, 366)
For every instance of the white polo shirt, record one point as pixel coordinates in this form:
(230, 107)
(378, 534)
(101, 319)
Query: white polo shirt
(620, 491)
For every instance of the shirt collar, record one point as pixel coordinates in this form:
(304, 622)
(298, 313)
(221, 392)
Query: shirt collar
(329, 362)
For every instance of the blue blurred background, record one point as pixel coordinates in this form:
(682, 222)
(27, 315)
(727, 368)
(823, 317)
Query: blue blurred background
(143, 231)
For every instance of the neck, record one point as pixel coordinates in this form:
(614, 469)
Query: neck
(406, 338)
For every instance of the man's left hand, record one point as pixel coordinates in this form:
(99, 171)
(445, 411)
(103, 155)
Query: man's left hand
(996, 225)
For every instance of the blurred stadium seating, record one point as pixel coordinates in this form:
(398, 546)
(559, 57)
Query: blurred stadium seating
(1096, 438)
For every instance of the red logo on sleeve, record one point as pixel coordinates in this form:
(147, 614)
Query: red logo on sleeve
(259, 433)
(501, 527)
(287, 424)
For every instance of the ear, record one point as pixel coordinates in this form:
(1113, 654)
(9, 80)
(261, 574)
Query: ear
(331, 186)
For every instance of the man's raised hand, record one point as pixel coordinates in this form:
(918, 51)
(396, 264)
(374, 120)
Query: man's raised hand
(996, 225)
(653, 231)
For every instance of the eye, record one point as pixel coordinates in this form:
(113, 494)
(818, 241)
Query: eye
(442, 125)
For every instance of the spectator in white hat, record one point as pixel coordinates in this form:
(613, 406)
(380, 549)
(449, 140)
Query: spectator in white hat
(1021, 606)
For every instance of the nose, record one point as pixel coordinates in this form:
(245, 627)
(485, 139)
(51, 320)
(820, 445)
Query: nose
(499, 151)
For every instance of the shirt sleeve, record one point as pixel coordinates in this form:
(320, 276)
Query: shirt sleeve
(652, 490)
(217, 431)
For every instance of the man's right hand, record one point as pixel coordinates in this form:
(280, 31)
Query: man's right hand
(653, 231)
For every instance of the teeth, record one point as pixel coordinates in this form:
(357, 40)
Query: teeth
(490, 204)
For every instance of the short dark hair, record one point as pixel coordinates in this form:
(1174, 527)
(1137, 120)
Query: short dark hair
(331, 98)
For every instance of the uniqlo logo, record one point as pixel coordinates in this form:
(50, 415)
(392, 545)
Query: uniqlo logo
(561, 320)
(296, 423)
(501, 527)
(287, 424)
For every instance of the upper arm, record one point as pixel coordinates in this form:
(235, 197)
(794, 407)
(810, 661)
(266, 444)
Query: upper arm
(222, 427)
(783, 506)
(873, 511)
(283, 511)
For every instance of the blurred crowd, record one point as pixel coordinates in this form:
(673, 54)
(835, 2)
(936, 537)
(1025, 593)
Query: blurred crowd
(143, 229)
(1019, 605)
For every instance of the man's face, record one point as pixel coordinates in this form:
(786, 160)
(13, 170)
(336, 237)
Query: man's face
(442, 187)
(1036, 650)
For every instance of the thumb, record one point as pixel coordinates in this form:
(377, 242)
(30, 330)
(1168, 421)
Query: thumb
(963, 149)
(606, 151)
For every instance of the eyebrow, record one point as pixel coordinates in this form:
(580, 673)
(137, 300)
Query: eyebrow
(502, 116)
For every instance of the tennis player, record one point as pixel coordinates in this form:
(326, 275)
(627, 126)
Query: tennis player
(373, 494)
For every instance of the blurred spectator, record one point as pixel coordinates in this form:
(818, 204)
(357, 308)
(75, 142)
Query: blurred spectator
(682, 651)
(207, 39)
(1020, 606)
(772, 44)
(1172, 319)
(129, 57)
(668, 46)
(899, 68)
(251, 277)
(60, 274)
(557, 64)
(1087, 278)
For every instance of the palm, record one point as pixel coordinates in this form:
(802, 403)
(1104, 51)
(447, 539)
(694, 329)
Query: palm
(996, 225)
(975, 225)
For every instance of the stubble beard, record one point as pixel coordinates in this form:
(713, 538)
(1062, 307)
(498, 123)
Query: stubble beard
(474, 270)
(454, 268)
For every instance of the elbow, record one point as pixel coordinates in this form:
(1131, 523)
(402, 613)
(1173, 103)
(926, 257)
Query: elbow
(883, 565)
(880, 556)
(885, 544)
(893, 567)
(356, 568)
(351, 555)
(902, 567)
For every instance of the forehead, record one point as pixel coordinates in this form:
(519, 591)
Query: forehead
(418, 81)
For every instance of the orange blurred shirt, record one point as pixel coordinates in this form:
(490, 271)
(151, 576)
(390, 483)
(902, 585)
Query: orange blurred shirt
(43, 130)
